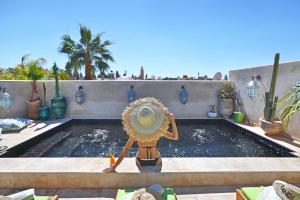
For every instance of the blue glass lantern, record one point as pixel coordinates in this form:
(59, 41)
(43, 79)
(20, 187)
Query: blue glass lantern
(253, 88)
(296, 90)
(131, 94)
(79, 95)
(183, 95)
(5, 100)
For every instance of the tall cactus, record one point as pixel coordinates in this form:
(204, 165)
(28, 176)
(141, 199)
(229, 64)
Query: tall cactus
(45, 91)
(55, 68)
(270, 101)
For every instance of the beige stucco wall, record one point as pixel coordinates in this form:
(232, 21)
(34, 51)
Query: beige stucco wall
(288, 74)
(107, 99)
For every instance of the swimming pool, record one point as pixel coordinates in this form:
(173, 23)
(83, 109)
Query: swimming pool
(197, 138)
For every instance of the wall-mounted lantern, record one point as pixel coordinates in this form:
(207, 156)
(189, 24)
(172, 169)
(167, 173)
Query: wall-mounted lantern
(79, 95)
(5, 100)
(296, 90)
(131, 94)
(183, 95)
(212, 113)
(253, 87)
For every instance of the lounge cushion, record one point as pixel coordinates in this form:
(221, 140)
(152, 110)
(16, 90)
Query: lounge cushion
(252, 192)
(14, 124)
(41, 197)
(268, 193)
(169, 193)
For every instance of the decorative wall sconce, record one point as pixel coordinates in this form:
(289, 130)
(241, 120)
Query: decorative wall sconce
(253, 87)
(183, 95)
(296, 90)
(5, 100)
(131, 94)
(212, 113)
(79, 95)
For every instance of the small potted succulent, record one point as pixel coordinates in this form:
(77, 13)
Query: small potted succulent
(58, 103)
(226, 97)
(269, 123)
(44, 111)
(33, 71)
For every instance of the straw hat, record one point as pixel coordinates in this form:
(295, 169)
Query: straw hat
(146, 194)
(145, 119)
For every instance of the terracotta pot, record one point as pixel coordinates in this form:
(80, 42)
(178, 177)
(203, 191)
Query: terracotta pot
(271, 128)
(226, 107)
(33, 109)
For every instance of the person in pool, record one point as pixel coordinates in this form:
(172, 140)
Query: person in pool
(145, 121)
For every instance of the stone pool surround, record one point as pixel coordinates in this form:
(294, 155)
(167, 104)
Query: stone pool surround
(187, 172)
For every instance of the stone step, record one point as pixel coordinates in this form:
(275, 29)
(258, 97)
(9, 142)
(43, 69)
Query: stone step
(47, 144)
(174, 172)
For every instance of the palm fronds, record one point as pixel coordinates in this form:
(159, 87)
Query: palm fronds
(89, 52)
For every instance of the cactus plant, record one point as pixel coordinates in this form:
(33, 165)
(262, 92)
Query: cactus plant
(270, 100)
(44, 95)
(55, 69)
(58, 103)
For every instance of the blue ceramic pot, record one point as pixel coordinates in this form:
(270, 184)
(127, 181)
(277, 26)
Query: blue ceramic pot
(44, 113)
(58, 107)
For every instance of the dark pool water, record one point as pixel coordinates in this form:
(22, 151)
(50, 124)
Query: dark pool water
(197, 138)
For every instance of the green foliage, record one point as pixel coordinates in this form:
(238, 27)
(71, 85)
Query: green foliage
(16, 73)
(228, 91)
(289, 105)
(32, 68)
(270, 100)
(63, 75)
(90, 51)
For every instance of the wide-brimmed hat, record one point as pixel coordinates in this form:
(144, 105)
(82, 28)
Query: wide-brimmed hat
(146, 194)
(145, 119)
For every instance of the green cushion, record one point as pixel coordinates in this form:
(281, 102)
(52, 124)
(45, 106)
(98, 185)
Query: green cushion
(251, 192)
(41, 197)
(168, 194)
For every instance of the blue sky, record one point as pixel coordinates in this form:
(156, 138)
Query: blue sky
(167, 37)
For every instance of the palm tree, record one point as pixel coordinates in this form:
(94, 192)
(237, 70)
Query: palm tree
(72, 66)
(89, 51)
(33, 71)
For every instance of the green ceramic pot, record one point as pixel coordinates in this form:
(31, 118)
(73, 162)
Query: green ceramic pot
(58, 107)
(238, 117)
(44, 113)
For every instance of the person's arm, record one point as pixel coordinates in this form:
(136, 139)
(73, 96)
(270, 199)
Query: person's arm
(122, 155)
(174, 134)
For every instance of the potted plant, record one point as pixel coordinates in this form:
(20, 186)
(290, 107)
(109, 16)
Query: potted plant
(290, 105)
(58, 103)
(238, 115)
(44, 111)
(226, 97)
(32, 70)
(268, 123)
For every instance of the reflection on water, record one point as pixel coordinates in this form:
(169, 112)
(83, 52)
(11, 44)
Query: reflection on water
(195, 140)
